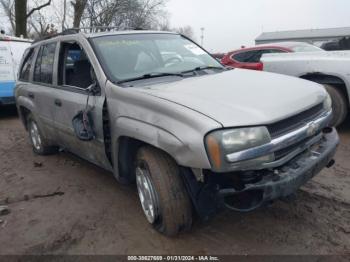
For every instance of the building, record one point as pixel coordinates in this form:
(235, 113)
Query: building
(312, 36)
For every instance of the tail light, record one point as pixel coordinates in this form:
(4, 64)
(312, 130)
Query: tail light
(260, 67)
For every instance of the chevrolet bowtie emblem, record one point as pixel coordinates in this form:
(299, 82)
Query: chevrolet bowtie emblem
(312, 129)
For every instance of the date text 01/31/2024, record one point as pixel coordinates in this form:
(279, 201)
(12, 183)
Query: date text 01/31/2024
(173, 258)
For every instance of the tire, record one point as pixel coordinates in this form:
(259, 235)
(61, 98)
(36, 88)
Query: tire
(339, 105)
(172, 208)
(39, 143)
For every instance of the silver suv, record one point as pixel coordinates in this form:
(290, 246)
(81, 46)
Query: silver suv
(156, 109)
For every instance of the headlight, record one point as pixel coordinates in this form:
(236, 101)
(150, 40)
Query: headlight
(327, 103)
(221, 143)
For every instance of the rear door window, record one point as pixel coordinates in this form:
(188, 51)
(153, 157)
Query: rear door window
(43, 71)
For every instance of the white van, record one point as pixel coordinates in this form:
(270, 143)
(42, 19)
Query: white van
(11, 52)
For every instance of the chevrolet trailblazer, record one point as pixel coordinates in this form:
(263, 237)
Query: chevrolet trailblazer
(156, 109)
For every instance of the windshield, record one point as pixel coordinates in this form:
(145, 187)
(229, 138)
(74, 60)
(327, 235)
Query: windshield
(131, 56)
(305, 48)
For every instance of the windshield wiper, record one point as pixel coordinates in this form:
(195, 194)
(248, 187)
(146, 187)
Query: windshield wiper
(200, 68)
(148, 76)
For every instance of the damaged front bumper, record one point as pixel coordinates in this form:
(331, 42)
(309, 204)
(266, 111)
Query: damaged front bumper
(235, 193)
(287, 179)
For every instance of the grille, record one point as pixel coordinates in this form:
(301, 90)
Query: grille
(286, 151)
(294, 122)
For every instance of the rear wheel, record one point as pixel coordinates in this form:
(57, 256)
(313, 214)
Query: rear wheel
(39, 143)
(339, 105)
(163, 196)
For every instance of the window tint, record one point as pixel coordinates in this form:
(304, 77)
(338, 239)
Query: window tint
(260, 53)
(274, 51)
(254, 56)
(74, 66)
(27, 64)
(247, 57)
(44, 64)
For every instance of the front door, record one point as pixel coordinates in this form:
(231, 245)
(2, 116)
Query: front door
(75, 75)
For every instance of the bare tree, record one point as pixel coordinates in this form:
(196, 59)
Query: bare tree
(64, 15)
(79, 7)
(8, 8)
(123, 14)
(186, 31)
(21, 15)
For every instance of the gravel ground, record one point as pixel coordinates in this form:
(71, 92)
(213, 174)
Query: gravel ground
(63, 205)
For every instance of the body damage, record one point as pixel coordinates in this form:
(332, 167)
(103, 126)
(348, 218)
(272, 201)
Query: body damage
(169, 121)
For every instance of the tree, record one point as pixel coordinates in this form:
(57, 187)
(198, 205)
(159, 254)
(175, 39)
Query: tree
(123, 14)
(79, 7)
(8, 8)
(186, 31)
(21, 15)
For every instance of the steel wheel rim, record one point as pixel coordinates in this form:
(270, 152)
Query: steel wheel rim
(147, 194)
(35, 136)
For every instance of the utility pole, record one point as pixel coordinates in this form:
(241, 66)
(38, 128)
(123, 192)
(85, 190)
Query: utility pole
(202, 36)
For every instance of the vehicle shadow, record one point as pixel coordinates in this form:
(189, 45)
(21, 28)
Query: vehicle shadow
(8, 112)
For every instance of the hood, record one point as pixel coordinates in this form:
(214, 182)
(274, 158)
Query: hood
(241, 97)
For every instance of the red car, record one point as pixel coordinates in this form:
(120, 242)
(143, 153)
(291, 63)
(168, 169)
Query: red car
(249, 58)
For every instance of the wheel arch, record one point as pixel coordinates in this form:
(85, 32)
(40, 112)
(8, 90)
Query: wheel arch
(328, 79)
(24, 107)
(23, 114)
(133, 134)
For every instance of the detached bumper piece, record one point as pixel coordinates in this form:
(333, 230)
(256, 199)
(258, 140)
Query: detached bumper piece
(283, 181)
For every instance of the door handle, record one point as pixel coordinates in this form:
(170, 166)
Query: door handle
(58, 102)
(31, 95)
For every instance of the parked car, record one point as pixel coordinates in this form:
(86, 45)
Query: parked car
(194, 136)
(304, 61)
(11, 51)
(249, 58)
(218, 56)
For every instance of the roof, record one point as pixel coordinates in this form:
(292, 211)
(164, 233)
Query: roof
(309, 33)
(287, 46)
(129, 32)
(72, 32)
(282, 44)
(13, 38)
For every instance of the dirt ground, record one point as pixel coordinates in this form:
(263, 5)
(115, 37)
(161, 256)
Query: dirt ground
(63, 205)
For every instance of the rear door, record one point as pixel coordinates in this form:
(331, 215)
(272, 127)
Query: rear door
(42, 83)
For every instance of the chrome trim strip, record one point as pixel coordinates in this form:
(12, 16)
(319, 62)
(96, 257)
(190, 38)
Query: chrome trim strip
(308, 130)
(292, 154)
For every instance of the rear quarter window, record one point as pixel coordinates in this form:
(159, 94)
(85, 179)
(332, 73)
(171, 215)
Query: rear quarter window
(246, 57)
(26, 65)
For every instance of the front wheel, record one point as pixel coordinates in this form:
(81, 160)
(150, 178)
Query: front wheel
(339, 105)
(163, 196)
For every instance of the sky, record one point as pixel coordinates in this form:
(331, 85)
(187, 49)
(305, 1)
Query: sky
(229, 24)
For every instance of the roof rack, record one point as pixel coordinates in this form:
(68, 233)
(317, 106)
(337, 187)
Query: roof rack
(97, 29)
(94, 29)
